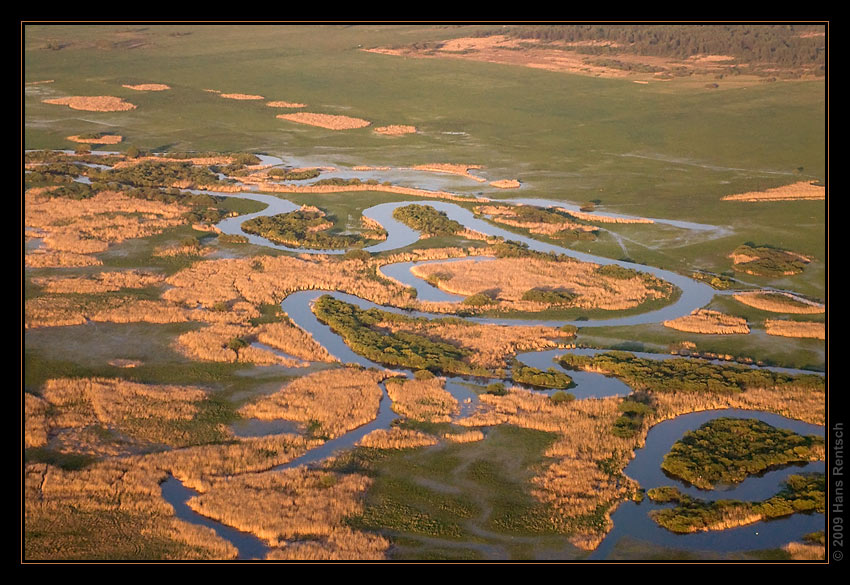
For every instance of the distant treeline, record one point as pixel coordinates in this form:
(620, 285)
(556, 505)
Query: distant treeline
(784, 45)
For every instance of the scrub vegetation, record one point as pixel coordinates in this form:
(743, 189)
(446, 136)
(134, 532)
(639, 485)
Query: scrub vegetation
(727, 451)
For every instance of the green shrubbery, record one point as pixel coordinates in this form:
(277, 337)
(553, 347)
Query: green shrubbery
(687, 375)
(727, 450)
(801, 494)
(427, 219)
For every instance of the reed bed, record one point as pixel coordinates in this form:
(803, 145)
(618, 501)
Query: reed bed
(424, 400)
(395, 130)
(777, 302)
(709, 322)
(804, 329)
(290, 505)
(328, 121)
(99, 283)
(800, 191)
(508, 279)
(396, 438)
(330, 402)
(97, 103)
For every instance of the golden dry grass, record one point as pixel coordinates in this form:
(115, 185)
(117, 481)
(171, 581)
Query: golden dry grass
(605, 219)
(89, 225)
(140, 411)
(329, 121)
(425, 400)
(452, 169)
(282, 104)
(334, 401)
(507, 215)
(342, 544)
(709, 322)
(294, 341)
(98, 103)
(491, 345)
(148, 87)
(284, 507)
(106, 139)
(100, 282)
(800, 191)
(572, 483)
(50, 259)
(465, 437)
(506, 184)
(240, 96)
(507, 279)
(395, 130)
(213, 344)
(805, 552)
(118, 506)
(774, 302)
(396, 438)
(35, 421)
(786, 328)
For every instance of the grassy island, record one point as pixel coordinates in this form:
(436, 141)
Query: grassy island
(727, 450)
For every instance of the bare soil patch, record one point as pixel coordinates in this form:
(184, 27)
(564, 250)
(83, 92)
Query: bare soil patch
(801, 191)
(97, 103)
(329, 121)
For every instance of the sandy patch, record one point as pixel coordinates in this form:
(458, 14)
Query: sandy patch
(241, 96)
(329, 121)
(40, 82)
(107, 139)
(281, 104)
(368, 168)
(802, 191)
(709, 322)
(803, 329)
(97, 103)
(148, 87)
(779, 302)
(395, 130)
(505, 184)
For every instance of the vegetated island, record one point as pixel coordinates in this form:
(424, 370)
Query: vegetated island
(801, 191)
(767, 260)
(725, 451)
(779, 302)
(308, 227)
(526, 280)
(805, 493)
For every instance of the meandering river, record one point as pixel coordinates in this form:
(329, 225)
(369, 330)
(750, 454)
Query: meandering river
(630, 520)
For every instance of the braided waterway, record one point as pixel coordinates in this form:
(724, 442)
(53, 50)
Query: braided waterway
(630, 520)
